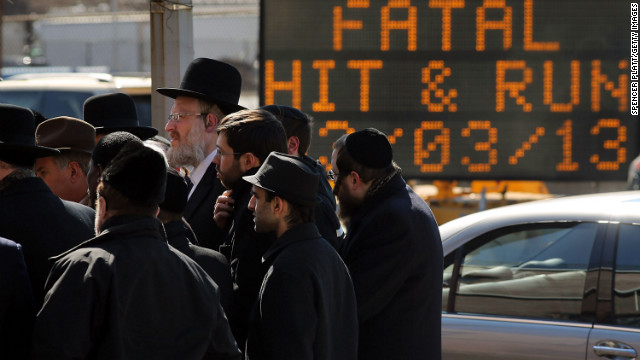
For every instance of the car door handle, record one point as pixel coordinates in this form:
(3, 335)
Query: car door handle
(614, 348)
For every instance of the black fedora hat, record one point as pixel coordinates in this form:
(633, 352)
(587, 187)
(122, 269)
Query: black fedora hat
(210, 80)
(18, 136)
(115, 112)
(288, 177)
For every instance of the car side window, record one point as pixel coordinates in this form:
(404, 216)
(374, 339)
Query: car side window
(627, 277)
(533, 271)
(64, 103)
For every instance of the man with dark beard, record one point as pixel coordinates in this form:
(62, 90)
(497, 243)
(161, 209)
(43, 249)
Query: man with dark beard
(245, 139)
(209, 90)
(392, 250)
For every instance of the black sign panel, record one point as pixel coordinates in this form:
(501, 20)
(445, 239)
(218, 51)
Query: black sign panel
(464, 89)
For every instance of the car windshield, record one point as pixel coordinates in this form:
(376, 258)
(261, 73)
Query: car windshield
(54, 103)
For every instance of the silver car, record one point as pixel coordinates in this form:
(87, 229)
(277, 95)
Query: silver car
(550, 279)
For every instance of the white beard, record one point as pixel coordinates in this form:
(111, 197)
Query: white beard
(190, 151)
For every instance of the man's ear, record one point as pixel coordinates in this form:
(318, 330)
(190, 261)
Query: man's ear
(355, 181)
(101, 203)
(74, 171)
(248, 161)
(211, 122)
(292, 145)
(277, 205)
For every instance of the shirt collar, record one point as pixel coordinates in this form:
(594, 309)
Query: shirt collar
(197, 173)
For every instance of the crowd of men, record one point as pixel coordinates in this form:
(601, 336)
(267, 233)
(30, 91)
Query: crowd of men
(222, 241)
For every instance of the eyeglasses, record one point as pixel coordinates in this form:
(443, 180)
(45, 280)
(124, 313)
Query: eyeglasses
(175, 117)
(332, 175)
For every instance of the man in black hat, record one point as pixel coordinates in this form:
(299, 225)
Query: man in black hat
(127, 294)
(306, 307)
(106, 149)
(66, 173)
(30, 214)
(392, 250)
(209, 90)
(245, 139)
(114, 112)
(298, 128)
(180, 236)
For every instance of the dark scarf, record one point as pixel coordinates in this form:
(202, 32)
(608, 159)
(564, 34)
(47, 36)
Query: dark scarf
(379, 183)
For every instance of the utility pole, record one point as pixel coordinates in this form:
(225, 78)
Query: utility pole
(171, 51)
(1, 40)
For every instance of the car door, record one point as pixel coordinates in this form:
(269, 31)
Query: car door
(524, 292)
(616, 334)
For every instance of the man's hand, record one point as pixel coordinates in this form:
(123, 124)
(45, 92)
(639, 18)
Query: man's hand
(223, 210)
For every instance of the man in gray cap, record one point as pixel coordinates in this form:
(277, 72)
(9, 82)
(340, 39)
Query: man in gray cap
(306, 307)
(127, 294)
(30, 214)
(66, 173)
(392, 250)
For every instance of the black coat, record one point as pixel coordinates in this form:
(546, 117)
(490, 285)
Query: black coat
(213, 262)
(244, 248)
(325, 211)
(17, 306)
(394, 254)
(45, 225)
(306, 308)
(199, 210)
(127, 294)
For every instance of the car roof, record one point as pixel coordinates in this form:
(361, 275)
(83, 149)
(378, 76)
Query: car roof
(93, 82)
(623, 206)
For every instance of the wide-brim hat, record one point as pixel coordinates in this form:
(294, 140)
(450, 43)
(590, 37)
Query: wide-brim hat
(17, 136)
(115, 112)
(66, 133)
(288, 177)
(210, 80)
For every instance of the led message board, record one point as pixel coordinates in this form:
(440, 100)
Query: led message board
(464, 89)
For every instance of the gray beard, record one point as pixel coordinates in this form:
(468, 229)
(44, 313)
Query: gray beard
(185, 155)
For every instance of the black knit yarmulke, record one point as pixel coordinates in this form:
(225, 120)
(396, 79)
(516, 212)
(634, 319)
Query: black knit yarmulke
(370, 147)
(139, 173)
